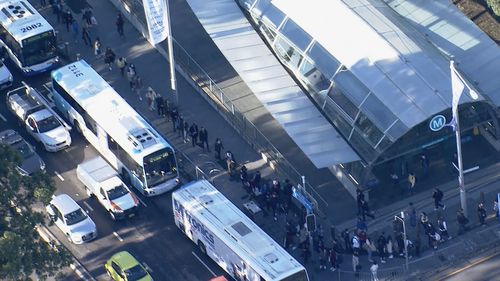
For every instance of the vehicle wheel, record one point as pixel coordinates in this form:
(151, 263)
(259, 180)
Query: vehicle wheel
(77, 126)
(125, 176)
(89, 193)
(202, 247)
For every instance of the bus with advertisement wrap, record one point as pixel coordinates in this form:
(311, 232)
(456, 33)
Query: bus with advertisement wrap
(122, 136)
(27, 38)
(230, 238)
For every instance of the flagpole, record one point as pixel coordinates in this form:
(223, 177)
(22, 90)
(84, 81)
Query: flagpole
(173, 81)
(461, 184)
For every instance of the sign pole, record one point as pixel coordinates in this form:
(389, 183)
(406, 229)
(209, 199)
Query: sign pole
(461, 184)
(173, 81)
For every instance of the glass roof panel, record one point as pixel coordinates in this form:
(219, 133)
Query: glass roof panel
(378, 113)
(351, 86)
(273, 15)
(296, 34)
(323, 60)
(260, 7)
(396, 131)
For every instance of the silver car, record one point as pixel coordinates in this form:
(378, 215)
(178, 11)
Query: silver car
(31, 161)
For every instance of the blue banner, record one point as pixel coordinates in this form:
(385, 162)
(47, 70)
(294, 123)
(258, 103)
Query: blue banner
(303, 200)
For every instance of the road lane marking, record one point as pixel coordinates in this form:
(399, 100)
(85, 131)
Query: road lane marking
(3, 118)
(59, 175)
(204, 264)
(117, 236)
(88, 206)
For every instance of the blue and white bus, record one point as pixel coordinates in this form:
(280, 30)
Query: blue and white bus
(122, 136)
(28, 39)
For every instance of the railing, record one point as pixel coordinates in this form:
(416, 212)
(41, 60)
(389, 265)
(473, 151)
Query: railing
(213, 93)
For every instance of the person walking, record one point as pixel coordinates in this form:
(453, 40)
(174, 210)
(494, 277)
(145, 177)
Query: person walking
(137, 86)
(230, 162)
(193, 132)
(119, 25)
(97, 48)
(150, 97)
(218, 146)
(185, 131)
(481, 213)
(425, 163)
(347, 240)
(306, 252)
(462, 221)
(389, 246)
(131, 73)
(412, 180)
(204, 139)
(160, 105)
(365, 209)
(333, 259)
(360, 197)
(323, 257)
(121, 63)
(356, 267)
(438, 196)
(373, 270)
(57, 10)
(87, 15)
(68, 19)
(443, 229)
(243, 175)
(86, 37)
(173, 117)
(179, 125)
(287, 193)
(381, 242)
(109, 58)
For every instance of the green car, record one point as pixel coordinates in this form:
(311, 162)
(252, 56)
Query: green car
(123, 266)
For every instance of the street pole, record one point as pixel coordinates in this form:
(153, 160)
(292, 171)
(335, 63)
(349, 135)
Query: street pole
(173, 82)
(404, 237)
(461, 184)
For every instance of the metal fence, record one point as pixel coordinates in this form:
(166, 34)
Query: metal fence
(213, 93)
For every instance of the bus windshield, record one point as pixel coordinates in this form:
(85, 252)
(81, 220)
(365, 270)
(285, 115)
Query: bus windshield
(299, 276)
(159, 167)
(39, 48)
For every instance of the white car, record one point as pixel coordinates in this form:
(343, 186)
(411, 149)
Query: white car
(6, 78)
(48, 130)
(71, 219)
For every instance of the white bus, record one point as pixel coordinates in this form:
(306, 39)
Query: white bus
(122, 136)
(28, 39)
(230, 238)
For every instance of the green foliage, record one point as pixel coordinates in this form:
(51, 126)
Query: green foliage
(22, 252)
(495, 6)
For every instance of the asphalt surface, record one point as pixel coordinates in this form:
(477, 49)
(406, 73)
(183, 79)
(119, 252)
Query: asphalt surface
(485, 270)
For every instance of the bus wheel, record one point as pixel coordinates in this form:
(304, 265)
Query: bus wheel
(202, 247)
(125, 176)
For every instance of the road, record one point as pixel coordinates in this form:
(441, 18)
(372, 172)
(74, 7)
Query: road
(485, 270)
(151, 236)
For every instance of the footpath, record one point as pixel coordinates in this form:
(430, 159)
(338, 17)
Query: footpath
(153, 68)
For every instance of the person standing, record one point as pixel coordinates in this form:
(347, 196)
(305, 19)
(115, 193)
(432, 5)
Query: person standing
(425, 163)
(333, 258)
(230, 162)
(481, 213)
(193, 132)
(256, 178)
(373, 270)
(185, 131)
(355, 262)
(438, 196)
(218, 147)
(173, 116)
(243, 175)
(360, 197)
(131, 74)
(121, 63)
(411, 212)
(97, 48)
(381, 242)
(109, 58)
(288, 193)
(462, 221)
(443, 229)
(412, 180)
(204, 139)
(86, 37)
(323, 256)
(57, 10)
(366, 210)
(68, 19)
(137, 86)
(179, 124)
(150, 97)
(119, 25)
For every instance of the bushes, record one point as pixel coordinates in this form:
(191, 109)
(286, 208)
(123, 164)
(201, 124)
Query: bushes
(495, 6)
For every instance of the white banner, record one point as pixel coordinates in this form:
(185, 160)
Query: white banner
(157, 18)
(458, 86)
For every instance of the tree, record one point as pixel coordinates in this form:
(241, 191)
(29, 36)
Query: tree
(22, 250)
(495, 6)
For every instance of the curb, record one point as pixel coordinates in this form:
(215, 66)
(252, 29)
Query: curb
(75, 265)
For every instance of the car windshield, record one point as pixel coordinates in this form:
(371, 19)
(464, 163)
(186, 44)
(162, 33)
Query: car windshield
(39, 48)
(135, 273)
(159, 167)
(47, 124)
(23, 148)
(75, 217)
(117, 192)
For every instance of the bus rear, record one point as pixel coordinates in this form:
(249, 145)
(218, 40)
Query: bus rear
(29, 40)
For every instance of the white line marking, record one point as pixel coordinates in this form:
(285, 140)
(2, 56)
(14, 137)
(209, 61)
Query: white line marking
(88, 206)
(204, 264)
(3, 118)
(78, 272)
(59, 175)
(117, 236)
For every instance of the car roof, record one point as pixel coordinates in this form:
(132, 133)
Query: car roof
(124, 260)
(10, 137)
(65, 203)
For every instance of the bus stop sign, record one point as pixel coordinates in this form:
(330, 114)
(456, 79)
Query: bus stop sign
(437, 123)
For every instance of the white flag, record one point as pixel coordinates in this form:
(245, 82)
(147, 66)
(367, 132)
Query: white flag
(458, 86)
(157, 18)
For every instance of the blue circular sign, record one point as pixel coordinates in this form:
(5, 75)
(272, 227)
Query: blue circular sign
(437, 123)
